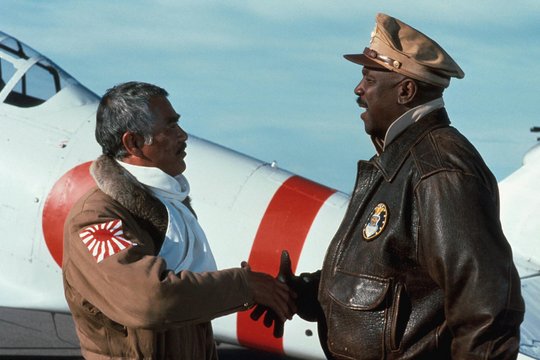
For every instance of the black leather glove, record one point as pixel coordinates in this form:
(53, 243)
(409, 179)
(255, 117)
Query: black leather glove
(270, 317)
(305, 286)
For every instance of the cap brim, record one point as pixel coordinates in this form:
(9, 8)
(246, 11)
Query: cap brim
(362, 59)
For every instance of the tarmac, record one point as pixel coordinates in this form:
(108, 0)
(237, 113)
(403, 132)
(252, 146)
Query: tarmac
(30, 334)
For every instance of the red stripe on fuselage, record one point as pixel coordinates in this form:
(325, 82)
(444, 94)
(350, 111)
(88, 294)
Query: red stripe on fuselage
(284, 226)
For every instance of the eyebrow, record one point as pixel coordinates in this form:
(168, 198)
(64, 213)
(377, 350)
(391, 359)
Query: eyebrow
(366, 71)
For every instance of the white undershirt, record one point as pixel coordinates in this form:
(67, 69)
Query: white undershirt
(185, 246)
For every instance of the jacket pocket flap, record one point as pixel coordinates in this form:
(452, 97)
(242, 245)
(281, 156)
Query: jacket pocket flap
(359, 292)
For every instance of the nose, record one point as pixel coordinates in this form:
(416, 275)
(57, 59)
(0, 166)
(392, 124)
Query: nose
(359, 89)
(182, 134)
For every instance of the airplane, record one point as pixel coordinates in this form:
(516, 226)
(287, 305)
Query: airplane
(249, 209)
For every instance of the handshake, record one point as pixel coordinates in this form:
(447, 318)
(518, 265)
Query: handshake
(304, 298)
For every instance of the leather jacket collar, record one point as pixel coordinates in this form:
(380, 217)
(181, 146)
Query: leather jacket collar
(395, 154)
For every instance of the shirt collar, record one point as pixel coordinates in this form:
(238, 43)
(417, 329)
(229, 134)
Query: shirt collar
(409, 117)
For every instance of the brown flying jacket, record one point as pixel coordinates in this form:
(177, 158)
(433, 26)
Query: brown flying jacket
(128, 305)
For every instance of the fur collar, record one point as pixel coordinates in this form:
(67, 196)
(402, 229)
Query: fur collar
(120, 185)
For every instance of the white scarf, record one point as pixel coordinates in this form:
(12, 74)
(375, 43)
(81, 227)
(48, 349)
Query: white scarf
(185, 246)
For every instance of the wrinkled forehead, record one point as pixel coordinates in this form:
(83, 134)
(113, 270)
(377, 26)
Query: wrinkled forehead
(160, 105)
(163, 110)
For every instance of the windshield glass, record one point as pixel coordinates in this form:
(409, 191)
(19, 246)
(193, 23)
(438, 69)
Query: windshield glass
(34, 78)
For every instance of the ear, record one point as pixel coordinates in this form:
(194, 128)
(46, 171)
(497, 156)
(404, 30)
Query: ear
(407, 91)
(133, 143)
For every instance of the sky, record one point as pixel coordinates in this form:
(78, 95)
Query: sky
(267, 78)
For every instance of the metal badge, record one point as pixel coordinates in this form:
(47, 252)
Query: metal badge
(376, 222)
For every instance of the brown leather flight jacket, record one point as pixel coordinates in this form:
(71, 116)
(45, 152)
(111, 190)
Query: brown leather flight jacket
(420, 267)
(128, 305)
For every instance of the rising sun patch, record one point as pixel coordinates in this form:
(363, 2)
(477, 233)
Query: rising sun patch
(105, 239)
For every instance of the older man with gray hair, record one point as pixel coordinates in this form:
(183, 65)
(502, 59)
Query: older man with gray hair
(139, 275)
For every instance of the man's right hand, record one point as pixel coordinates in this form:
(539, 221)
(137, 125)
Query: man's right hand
(272, 293)
(305, 288)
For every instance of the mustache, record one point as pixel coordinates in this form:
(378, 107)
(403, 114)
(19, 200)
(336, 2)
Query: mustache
(361, 102)
(182, 148)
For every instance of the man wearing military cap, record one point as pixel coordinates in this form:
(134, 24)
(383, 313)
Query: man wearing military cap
(419, 267)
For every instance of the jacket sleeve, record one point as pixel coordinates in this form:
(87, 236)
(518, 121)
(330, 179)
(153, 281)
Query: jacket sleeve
(133, 287)
(462, 245)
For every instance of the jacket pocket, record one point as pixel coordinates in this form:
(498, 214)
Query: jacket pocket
(400, 314)
(357, 315)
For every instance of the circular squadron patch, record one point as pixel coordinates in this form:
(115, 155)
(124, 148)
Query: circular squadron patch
(376, 222)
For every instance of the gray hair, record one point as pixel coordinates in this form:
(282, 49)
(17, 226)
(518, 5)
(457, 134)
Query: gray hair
(125, 107)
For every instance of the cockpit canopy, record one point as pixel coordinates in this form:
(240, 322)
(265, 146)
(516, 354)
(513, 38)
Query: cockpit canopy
(27, 78)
